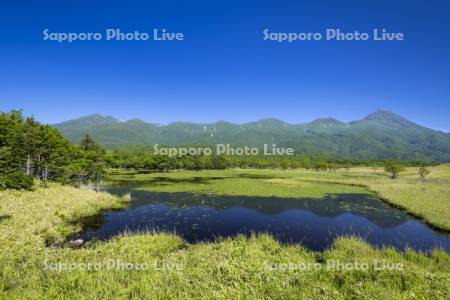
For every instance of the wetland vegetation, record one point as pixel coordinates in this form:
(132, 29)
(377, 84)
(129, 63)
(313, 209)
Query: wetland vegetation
(254, 266)
(311, 227)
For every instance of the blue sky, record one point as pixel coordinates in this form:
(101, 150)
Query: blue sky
(224, 70)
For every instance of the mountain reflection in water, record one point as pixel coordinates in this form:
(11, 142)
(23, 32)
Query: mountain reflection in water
(314, 223)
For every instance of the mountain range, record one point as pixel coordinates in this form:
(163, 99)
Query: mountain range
(380, 135)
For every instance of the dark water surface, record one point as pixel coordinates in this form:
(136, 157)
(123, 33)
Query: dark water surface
(310, 222)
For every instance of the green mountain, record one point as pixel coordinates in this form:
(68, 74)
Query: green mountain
(380, 135)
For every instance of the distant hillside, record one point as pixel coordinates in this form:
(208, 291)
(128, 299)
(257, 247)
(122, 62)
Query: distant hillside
(380, 135)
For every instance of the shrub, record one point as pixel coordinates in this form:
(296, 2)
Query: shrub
(394, 169)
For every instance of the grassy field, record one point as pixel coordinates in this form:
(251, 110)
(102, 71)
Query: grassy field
(237, 182)
(161, 266)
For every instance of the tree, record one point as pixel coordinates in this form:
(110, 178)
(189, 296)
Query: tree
(423, 172)
(31, 151)
(95, 165)
(12, 177)
(87, 143)
(12, 160)
(218, 162)
(394, 169)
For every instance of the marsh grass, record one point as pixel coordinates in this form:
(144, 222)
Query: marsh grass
(232, 268)
(428, 200)
(238, 183)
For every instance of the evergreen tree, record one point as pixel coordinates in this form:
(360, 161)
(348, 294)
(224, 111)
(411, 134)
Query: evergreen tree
(31, 151)
(12, 175)
(95, 161)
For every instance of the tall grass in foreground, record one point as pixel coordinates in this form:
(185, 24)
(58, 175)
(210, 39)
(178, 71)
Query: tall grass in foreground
(252, 268)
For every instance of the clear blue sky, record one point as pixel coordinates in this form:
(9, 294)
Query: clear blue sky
(223, 70)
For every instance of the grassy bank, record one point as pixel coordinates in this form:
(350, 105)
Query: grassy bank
(428, 200)
(258, 268)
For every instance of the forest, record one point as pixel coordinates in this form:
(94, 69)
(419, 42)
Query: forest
(31, 151)
(143, 158)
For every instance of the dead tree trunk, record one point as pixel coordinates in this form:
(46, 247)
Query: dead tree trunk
(28, 167)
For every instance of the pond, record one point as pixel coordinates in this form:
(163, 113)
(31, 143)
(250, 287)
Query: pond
(311, 222)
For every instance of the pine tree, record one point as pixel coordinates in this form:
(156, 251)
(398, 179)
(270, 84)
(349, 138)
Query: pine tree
(32, 151)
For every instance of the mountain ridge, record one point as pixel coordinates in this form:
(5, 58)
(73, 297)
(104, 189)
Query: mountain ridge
(380, 135)
(384, 115)
(99, 115)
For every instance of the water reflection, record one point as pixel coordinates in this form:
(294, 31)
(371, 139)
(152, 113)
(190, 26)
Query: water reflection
(311, 222)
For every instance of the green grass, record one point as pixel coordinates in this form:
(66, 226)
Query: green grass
(227, 269)
(265, 183)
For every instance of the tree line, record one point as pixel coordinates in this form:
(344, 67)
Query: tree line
(31, 151)
(142, 157)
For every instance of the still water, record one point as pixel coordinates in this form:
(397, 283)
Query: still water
(311, 222)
